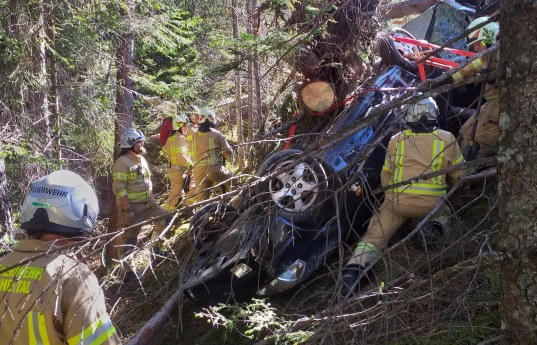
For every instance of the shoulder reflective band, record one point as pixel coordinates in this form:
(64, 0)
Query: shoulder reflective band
(37, 329)
(137, 196)
(95, 334)
(119, 176)
(469, 70)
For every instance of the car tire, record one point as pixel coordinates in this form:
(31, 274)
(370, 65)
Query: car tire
(391, 56)
(298, 192)
(210, 222)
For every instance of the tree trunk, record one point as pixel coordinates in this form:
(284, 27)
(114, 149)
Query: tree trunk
(249, 11)
(6, 219)
(124, 97)
(257, 81)
(124, 102)
(240, 149)
(15, 96)
(55, 92)
(517, 169)
(37, 104)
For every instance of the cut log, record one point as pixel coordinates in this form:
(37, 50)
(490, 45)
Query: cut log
(318, 95)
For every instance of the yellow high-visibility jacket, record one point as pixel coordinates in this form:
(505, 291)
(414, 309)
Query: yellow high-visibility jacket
(177, 152)
(210, 148)
(491, 91)
(410, 155)
(52, 300)
(131, 177)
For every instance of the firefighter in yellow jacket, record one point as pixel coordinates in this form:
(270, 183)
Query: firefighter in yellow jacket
(209, 148)
(418, 150)
(179, 161)
(132, 187)
(487, 130)
(48, 296)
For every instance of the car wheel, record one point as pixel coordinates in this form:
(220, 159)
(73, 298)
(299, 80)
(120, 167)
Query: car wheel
(210, 222)
(392, 56)
(298, 188)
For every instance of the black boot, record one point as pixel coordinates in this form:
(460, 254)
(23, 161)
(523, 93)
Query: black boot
(354, 277)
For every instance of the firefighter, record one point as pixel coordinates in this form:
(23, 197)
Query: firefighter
(132, 187)
(194, 112)
(179, 161)
(487, 130)
(418, 150)
(209, 149)
(48, 296)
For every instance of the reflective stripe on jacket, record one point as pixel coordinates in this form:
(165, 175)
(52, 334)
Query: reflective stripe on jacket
(410, 155)
(176, 151)
(52, 300)
(131, 177)
(210, 148)
(472, 69)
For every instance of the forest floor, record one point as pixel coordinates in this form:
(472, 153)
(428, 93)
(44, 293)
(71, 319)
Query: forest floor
(459, 287)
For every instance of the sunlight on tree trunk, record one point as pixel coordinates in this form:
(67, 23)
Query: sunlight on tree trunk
(518, 163)
(55, 92)
(238, 113)
(249, 149)
(124, 98)
(38, 103)
(6, 219)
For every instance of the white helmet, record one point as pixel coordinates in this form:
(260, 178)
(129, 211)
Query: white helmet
(487, 33)
(179, 121)
(193, 109)
(60, 203)
(129, 137)
(426, 107)
(207, 113)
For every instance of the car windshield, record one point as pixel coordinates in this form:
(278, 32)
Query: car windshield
(449, 22)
